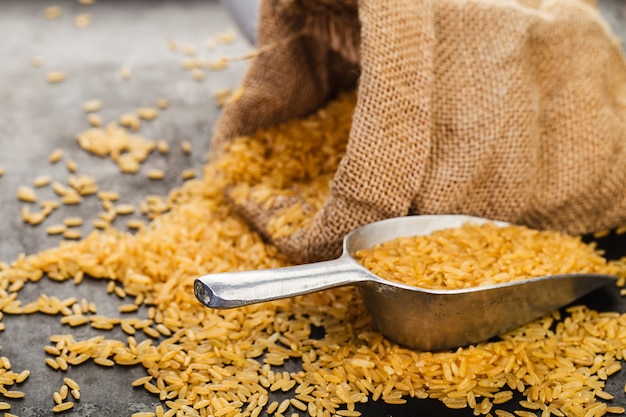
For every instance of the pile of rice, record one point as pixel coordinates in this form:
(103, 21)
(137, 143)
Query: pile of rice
(204, 362)
(299, 157)
(481, 254)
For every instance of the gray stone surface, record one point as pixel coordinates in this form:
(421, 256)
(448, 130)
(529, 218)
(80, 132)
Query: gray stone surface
(36, 118)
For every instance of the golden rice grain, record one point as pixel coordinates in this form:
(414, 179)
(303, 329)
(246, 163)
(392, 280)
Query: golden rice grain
(109, 195)
(163, 147)
(75, 320)
(226, 37)
(127, 308)
(163, 103)
(55, 156)
(219, 64)
(300, 405)
(503, 413)
(272, 407)
(523, 413)
(147, 113)
(56, 229)
(83, 184)
(221, 97)
(130, 120)
(149, 331)
(49, 205)
(14, 394)
(63, 391)
(52, 12)
(59, 408)
(348, 413)
(26, 194)
(71, 165)
(128, 164)
(55, 77)
(125, 209)
(1, 171)
(72, 234)
(42, 181)
(236, 94)
(136, 224)
(94, 120)
(36, 62)
(57, 398)
(189, 50)
(186, 147)
(91, 106)
(4, 406)
(6, 362)
(73, 221)
(126, 72)
(191, 64)
(172, 45)
(58, 188)
(75, 394)
(197, 74)
(22, 376)
(71, 197)
(104, 362)
(141, 381)
(188, 174)
(63, 365)
(119, 291)
(101, 224)
(83, 20)
(210, 44)
(155, 174)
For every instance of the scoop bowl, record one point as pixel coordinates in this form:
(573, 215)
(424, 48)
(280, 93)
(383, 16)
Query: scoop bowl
(419, 318)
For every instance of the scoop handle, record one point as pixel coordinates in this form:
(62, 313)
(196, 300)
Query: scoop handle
(236, 289)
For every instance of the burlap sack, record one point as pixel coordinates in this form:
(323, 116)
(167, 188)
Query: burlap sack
(507, 109)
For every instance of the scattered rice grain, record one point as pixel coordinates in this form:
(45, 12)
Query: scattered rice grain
(155, 174)
(55, 77)
(59, 408)
(126, 72)
(91, 106)
(26, 194)
(83, 20)
(52, 12)
(42, 181)
(56, 229)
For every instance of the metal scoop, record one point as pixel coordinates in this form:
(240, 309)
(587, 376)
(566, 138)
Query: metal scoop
(418, 318)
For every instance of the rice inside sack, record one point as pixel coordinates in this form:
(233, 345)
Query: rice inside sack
(508, 118)
(476, 255)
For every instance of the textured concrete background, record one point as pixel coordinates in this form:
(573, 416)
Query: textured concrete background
(36, 118)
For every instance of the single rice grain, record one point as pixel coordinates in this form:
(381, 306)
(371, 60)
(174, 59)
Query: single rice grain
(55, 77)
(59, 408)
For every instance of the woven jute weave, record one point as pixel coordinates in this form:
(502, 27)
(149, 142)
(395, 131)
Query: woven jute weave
(508, 109)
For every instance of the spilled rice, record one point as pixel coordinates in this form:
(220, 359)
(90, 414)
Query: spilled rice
(205, 362)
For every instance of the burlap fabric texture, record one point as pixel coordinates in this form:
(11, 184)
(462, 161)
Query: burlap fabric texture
(507, 109)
